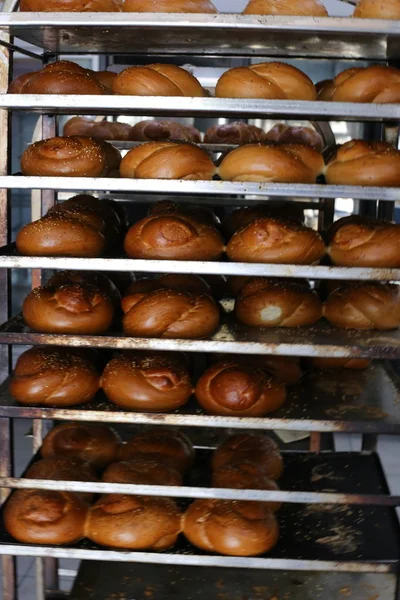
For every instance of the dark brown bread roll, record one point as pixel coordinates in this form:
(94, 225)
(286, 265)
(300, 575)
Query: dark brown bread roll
(100, 130)
(231, 388)
(166, 446)
(70, 5)
(63, 469)
(71, 308)
(369, 305)
(173, 237)
(93, 443)
(376, 83)
(268, 240)
(233, 133)
(241, 217)
(266, 302)
(375, 9)
(198, 212)
(304, 8)
(61, 77)
(45, 517)
(156, 131)
(185, 282)
(157, 80)
(170, 6)
(108, 210)
(142, 471)
(167, 160)
(53, 377)
(134, 522)
(148, 381)
(254, 448)
(285, 134)
(230, 527)
(94, 278)
(271, 80)
(340, 363)
(285, 369)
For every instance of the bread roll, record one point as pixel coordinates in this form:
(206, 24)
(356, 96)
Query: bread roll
(157, 131)
(286, 369)
(51, 376)
(377, 83)
(134, 522)
(168, 313)
(325, 90)
(64, 157)
(285, 134)
(103, 130)
(370, 305)
(198, 212)
(106, 78)
(364, 163)
(142, 471)
(45, 517)
(167, 160)
(150, 382)
(304, 8)
(376, 9)
(166, 446)
(288, 163)
(157, 80)
(232, 388)
(258, 449)
(170, 6)
(241, 217)
(71, 308)
(230, 527)
(340, 363)
(94, 278)
(173, 237)
(233, 133)
(270, 80)
(269, 240)
(266, 302)
(63, 469)
(185, 282)
(70, 5)
(61, 77)
(93, 443)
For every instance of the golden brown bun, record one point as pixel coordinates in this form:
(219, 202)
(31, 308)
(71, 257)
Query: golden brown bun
(273, 241)
(340, 363)
(62, 156)
(153, 382)
(376, 83)
(231, 527)
(157, 80)
(70, 5)
(142, 471)
(60, 235)
(103, 130)
(258, 449)
(61, 77)
(63, 469)
(45, 517)
(166, 446)
(285, 369)
(155, 131)
(170, 314)
(167, 160)
(93, 443)
(94, 278)
(304, 8)
(51, 376)
(232, 388)
(288, 163)
(285, 134)
(134, 522)
(106, 78)
(266, 302)
(376, 9)
(369, 305)
(272, 81)
(244, 476)
(71, 308)
(233, 133)
(364, 163)
(170, 6)
(241, 217)
(173, 237)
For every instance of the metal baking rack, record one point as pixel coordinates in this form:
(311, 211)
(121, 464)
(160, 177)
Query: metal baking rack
(365, 402)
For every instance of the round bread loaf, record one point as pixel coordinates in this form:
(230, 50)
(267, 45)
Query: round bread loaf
(230, 527)
(45, 517)
(94, 278)
(266, 302)
(304, 8)
(70, 5)
(134, 522)
(93, 443)
(142, 471)
(165, 446)
(63, 469)
(340, 363)
(61, 77)
(241, 217)
(167, 160)
(71, 308)
(269, 240)
(168, 313)
(376, 9)
(286, 134)
(364, 163)
(254, 448)
(272, 81)
(288, 163)
(51, 376)
(232, 388)
(173, 237)
(285, 369)
(148, 381)
(103, 130)
(370, 305)
(157, 131)
(233, 133)
(377, 83)
(170, 6)
(157, 80)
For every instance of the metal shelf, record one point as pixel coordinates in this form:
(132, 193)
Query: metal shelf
(221, 35)
(238, 107)
(324, 401)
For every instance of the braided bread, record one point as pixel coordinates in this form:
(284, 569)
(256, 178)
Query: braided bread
(70, 5)
(170, 6)
(149, 131)
(61, 77)
(103, 130)
(376, 9)
(157, 80)
(377, 83)
(305, 8)
(233, 133)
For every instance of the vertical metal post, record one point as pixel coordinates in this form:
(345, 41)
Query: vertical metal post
(8, 563)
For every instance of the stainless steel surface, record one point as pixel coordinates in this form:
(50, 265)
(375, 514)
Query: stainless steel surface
(221, 35)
